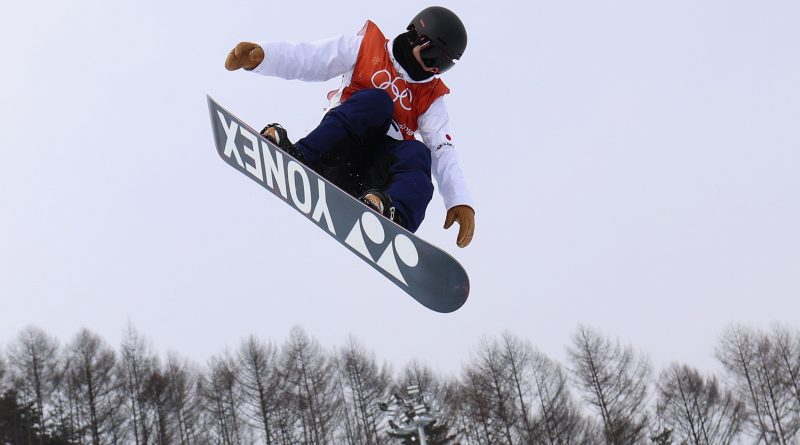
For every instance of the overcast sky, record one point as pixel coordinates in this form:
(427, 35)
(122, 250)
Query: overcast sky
(634, 166)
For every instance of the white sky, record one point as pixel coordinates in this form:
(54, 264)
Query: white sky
(635, 167)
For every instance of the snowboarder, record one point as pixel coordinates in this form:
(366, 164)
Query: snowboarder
(390, 91)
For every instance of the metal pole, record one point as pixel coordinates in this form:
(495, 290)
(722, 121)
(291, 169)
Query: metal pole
(422, 439)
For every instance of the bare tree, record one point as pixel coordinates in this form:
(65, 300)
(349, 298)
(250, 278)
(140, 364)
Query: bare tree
(64, 401)
(786, 347)
(542, 398)
(311, 388)
(615, 382)
(556, 417)
(476, 420)
(697, 409)
(363, 385)
(754, 360)
(34, 360)
(185, 404)
(156, 396)
(512, 393)
(261, 385)
(138, 362)
(493, 393)
(420, 374)
(93, 386)
(223, 402)
(517, 358)
(508, 393)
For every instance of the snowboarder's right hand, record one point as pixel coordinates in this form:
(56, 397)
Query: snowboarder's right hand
(245, 55)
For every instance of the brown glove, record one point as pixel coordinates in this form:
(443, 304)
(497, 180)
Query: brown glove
(466, 221)
(245, 55)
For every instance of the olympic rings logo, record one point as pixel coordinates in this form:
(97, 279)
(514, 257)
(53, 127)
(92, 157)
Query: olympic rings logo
(390, 84)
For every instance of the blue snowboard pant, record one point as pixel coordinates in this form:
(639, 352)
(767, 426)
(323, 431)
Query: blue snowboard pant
(358, 127)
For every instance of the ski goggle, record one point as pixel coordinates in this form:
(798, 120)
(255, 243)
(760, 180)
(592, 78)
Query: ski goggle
(432, 56)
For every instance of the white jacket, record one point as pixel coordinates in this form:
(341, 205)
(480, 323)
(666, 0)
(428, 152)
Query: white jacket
(323, 60)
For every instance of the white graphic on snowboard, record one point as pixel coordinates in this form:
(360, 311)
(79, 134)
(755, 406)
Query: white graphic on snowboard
(371, 226)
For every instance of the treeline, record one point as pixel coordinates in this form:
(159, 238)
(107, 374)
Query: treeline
(297, 392)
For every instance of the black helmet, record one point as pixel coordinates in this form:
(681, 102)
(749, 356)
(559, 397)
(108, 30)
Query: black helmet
(442, 36)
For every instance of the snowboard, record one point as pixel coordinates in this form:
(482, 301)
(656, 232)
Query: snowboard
(428, 274)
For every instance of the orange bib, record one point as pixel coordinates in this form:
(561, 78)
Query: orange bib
(374, 69)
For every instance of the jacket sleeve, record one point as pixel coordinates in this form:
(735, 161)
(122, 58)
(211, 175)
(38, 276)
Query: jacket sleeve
(316, 61)
(433, 127)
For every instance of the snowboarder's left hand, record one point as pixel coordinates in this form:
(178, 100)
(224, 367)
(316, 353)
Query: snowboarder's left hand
(465, 216)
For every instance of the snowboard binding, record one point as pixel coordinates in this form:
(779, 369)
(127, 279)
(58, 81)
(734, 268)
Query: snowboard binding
(277, 134)
(380, 202)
